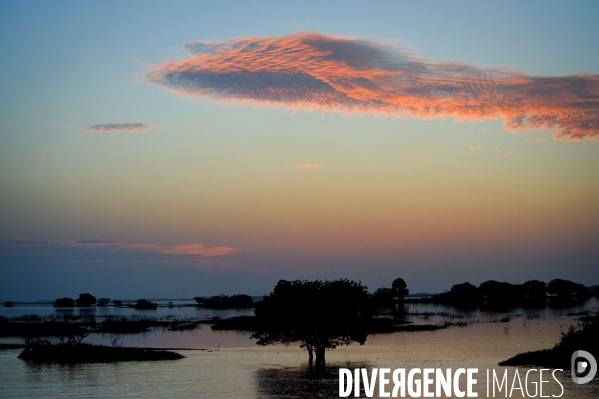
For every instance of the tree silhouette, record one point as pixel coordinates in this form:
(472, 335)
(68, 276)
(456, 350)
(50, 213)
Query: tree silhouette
(64, 303)
(86, 300)
(318, 314)
(399, 289)
(145, 305)
(567, 288)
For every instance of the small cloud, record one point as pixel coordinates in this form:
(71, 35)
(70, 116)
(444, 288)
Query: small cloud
(511, 152)
(475, 147)
(484, 129)
(182, 249)
(119, 127)
(497, 150)
(308, 20)
(307, 165)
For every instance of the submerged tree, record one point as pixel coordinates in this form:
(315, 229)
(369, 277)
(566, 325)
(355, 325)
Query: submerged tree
(318, 314)
(64, 303)
(86, 300)
(399, 289)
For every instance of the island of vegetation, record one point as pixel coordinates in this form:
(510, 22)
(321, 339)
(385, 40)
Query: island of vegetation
(74, 351)
(582, 336)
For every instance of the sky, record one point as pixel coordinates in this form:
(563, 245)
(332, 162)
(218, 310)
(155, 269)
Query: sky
(179, 149)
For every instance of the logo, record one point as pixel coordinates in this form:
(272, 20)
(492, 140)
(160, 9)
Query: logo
(578, 366)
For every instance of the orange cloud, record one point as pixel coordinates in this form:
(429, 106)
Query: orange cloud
(313, 71)
(307, 165)
(181, 249)
(119, 127)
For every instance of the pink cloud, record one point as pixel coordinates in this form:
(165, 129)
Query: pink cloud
(312, 71)
(183, 249)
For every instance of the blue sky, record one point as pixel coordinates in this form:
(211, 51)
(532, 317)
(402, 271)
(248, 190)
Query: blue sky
(212, 198)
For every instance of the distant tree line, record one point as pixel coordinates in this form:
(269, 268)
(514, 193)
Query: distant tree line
(226, 302)
(87, 300)
(501, 294)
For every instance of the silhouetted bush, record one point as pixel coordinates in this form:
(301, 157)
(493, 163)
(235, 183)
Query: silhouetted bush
(582, 336)
(142, 304)
(85, 353)
(229, 302)
(117, 303)
(86, 300)
(103, 302)
(64, 303)
(9, 304)
(566, 288)
(382, 297)
(465, 294)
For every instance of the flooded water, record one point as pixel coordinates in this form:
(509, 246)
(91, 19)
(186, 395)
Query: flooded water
(232, 365)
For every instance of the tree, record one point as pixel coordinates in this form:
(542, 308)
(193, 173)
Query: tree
(64, 303)
(535, 289)
(228, 302)
(143, 304)
(464, 294)
(86, 300)
(567, 288)
(103, 302)
(399, 289)
(383, 297)
(318, 314)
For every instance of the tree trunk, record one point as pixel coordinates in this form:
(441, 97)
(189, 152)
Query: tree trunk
(310, 353)
(320, 355)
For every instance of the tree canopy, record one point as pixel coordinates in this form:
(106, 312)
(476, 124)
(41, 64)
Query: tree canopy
(318, 314)
(399, 289)
(86, 300)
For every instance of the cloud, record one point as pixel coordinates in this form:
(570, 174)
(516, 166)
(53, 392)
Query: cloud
(475, 147)
(119, 127)
(183, 249)
(175, 253)
(313, 71)
(307, 165)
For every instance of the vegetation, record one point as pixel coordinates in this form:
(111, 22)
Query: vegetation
(103, 302)
(143, 304)
(73, 351)
(582, 336)
(64, 303)
(318, 314)
(227, 302)
(399, 289)
(9, 304)
(65, 326)
(500, 295)
(86, 300)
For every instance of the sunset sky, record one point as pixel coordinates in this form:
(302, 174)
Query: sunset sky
(176, 149)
